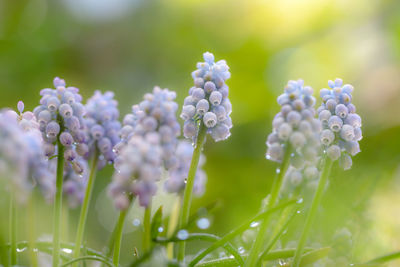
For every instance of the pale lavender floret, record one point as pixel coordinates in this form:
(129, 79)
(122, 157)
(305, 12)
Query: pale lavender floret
(295, 125)
(60, 116)
(66, 139)
(333, 152)
(202, 107)
(335, 123)
(210, 95)
(210, 119)
(176, 180)
(342, 120)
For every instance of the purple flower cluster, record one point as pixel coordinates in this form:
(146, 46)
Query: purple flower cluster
(150, 133)
(208, 101)
(155, 114)
(60, 115)
(341, 124)
(101, 121)
(176, 181)
(295, 125)
(21, 154)
(138, 168)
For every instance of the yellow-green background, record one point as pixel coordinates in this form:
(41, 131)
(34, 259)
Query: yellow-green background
(130, 46)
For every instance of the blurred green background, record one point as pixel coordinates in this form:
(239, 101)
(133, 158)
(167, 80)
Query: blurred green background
(129, 46)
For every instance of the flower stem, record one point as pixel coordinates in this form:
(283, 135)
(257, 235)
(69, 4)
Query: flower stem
(85, 205)
(187, 198)
(13, 230)
(118, 233)
(32, 232)
(276, 187)
(146, 228)
(58, 204)
(172, 224)
(313, 211)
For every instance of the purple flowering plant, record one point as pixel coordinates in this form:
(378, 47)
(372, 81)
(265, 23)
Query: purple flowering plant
(59, 147)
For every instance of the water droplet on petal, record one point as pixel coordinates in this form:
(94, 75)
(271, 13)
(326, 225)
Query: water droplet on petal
(203, 223)
(136, 222)
(183, 234)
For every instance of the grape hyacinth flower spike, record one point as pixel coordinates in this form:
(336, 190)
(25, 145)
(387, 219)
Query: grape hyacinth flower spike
(339, 137)
(60, 117)
(139, 167)
(206, 110)
(102, 134)
(294, 141)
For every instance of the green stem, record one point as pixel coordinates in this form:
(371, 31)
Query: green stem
(58, 204)
(147, 228)
(118, 233)
(187, 198)
(172, 224)
(276, 187)
(85, 204)
(313, 211)
(13, 231)
(32, 232)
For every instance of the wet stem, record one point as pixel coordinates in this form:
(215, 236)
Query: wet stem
(146, 228)
(313, 210)
(187, 198)
(276, 187)
(58, 203)
(118, 233)
(13, 230)
(85, 204)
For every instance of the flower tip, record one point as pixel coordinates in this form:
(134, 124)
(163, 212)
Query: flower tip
(20, 106)
(208, 57)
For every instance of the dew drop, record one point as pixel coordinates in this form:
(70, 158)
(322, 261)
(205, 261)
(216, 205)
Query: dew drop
(268, 157)
(292, 155)
(299, 201)
(67, 250)
(160, 229)
(254, 224)
(21, 249)
(278, 170)
(203, 223)
(183, 234)
(136, 222)
(231, 257)
(298, 212)
(114, 150)
(241, 250)
(185, 181)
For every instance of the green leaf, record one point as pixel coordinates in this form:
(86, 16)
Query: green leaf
(156, 223)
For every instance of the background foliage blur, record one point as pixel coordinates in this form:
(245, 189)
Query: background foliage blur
(129, 46)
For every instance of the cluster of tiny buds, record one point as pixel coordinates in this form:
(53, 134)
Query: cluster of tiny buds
(101, 121)
(156, 114)
(295, 126)
(138, 167)
(177, 177)
(341, 124)
(60, 115)
(22, 155)
(208, 100)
